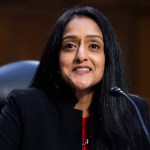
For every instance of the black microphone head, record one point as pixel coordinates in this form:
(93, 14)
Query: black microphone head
(115, 91)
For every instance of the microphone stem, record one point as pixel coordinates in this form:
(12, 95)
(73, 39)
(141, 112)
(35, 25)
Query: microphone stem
(139, 115)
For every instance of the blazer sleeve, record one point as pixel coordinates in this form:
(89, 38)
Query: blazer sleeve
(10, 125)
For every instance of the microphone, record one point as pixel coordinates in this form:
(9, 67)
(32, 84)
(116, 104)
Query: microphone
(116, 91)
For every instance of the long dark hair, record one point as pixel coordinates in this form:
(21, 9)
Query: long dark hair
(116, 124)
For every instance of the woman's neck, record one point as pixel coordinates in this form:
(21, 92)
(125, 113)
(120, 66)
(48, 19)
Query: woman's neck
(85, 99)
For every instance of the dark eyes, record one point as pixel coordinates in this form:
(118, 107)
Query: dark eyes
(94, 46)
(74, 46)
(69, 46)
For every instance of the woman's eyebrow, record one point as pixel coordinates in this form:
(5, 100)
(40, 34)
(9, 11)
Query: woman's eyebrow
(95, 36)
(87, 36)
(69, 37)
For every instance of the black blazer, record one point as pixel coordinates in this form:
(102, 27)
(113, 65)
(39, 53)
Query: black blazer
(30, 121)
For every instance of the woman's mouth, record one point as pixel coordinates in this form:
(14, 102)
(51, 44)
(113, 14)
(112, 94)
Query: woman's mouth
(82, 70)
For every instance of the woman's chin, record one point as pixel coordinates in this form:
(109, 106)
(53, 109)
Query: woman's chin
(81, 87)
(79, 84)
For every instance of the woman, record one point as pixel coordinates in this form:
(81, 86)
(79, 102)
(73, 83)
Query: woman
(68, 105)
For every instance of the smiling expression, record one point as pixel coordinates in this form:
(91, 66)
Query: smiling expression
(82, 58)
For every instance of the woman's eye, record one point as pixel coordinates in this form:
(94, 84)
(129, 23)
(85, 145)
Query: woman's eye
(69, 46)
(94, 46)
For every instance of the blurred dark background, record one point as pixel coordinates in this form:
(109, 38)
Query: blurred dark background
(24, 25)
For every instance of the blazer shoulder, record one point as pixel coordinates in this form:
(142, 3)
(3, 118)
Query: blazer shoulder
(27, 92)
(138, 99)
(28, 96)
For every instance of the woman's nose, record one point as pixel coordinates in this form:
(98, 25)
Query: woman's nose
(81, 55)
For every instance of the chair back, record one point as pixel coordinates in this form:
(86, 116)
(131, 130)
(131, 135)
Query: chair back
(15, 75)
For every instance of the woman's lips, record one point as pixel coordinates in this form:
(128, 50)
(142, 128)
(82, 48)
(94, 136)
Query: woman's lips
(82, 70)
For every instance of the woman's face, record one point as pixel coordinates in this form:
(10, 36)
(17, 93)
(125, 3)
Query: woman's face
(82, 58)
